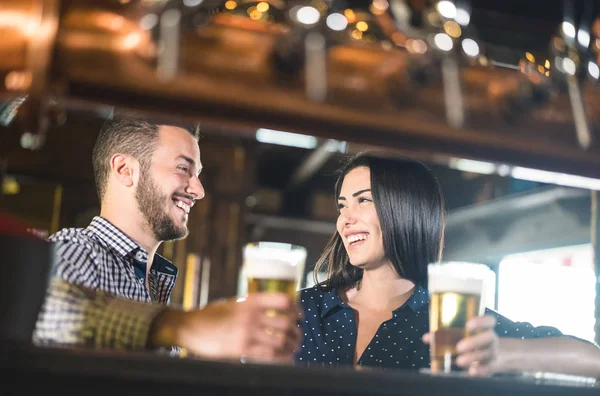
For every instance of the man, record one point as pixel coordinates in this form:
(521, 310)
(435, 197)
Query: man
(147, 180)
(147, 177)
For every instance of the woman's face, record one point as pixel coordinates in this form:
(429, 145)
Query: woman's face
(358, 224)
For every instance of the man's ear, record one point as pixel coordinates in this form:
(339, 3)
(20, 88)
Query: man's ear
(124, 168)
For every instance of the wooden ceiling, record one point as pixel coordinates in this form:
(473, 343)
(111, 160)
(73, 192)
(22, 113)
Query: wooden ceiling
(234, 91)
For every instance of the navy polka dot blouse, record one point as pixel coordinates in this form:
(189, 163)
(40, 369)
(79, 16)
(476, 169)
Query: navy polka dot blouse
(329, 332)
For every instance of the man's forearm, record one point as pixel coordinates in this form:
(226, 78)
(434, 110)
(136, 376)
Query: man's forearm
(552, 354)
(75, 316)
(166, 329)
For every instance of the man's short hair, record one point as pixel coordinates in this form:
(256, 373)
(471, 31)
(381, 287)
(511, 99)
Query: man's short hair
(131, 135)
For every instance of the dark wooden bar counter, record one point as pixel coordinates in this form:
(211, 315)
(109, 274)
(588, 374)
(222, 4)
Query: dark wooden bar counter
(87, 372)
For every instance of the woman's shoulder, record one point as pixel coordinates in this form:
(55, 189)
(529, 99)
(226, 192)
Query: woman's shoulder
(314, 295)
(315, 302)
(311, 291)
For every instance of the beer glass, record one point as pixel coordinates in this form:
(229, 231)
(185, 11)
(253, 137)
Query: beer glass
(456, 292)
(273, 267)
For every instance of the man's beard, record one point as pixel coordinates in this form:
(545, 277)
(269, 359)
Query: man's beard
(151, 204)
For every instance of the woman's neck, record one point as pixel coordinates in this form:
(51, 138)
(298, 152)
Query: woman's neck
(381, 289)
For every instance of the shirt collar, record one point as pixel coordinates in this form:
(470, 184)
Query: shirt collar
(117, 240)
(114, 238)
(163, 265)
(331, 300)
(419, 298)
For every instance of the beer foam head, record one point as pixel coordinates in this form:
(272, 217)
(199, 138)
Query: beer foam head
(269, 269)
(464, 278)
(273, 260)
(441, 284)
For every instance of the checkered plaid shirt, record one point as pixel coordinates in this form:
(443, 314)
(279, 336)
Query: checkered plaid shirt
(102, 257)
(93, 265)
(80, 317)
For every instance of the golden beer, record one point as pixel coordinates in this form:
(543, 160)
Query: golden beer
(271, 276)
(448, 316)
(273, 267)
(455, 291)
(287, 286)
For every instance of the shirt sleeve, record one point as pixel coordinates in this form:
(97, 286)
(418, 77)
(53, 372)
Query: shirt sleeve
(507, 328)
(73, 315)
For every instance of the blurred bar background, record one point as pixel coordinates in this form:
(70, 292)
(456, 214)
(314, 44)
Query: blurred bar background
(500, 98)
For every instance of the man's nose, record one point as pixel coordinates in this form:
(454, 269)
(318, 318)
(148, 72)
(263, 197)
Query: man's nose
(196, 188)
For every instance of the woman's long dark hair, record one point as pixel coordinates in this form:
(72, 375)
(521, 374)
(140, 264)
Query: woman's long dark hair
(410, 207)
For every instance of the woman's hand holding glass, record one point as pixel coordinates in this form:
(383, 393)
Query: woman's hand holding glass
(478, 352)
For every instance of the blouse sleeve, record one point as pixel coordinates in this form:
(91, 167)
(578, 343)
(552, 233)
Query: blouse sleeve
(507, 328)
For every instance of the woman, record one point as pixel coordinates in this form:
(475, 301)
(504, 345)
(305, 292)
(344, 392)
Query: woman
(373, 308)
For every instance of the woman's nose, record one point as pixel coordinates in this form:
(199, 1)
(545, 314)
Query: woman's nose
(348, 217)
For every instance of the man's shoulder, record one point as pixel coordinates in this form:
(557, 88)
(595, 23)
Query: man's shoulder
(81, 238)
(78, 255)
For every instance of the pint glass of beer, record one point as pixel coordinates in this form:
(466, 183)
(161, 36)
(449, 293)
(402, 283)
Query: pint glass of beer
(273, 267)
(456, 293)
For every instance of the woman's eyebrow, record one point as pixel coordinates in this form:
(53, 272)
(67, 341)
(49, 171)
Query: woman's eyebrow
(360, 192)
(355, 194)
